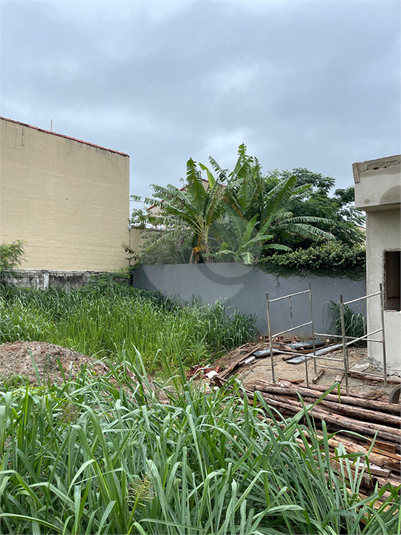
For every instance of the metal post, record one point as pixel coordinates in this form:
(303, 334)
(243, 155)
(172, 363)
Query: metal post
(383, 336)
(345, 347)
(306, 360)
(364, 318)
(292, 321)
(270, 338)
(313, 329)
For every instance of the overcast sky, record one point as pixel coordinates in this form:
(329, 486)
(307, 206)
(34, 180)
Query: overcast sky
(302, 84)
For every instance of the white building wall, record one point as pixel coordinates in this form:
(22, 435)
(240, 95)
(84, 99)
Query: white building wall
(378, 192)
(383, 233)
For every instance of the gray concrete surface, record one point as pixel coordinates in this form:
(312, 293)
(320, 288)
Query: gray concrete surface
(42, 279)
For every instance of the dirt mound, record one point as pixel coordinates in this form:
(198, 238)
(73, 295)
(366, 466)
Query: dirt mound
(16, 361)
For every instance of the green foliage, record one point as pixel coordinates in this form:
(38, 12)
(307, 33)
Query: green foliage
(104, 319)
(139, 218)
(194, 208)
(242, 242)
(11, 255)
(354, 323)
(338, 213)
(240, 211)
(329, 260)
(175, 248)
(104, 455)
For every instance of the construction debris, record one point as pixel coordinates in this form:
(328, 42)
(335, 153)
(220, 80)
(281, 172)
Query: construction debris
(318, 376)
(207, 371)
(370, 377)
(355, 419)
(329, 349)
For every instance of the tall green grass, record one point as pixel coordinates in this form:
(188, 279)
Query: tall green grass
(93, 457)
(104, 320)
(354, 323)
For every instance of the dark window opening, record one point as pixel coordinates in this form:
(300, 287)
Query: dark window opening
(392, 276)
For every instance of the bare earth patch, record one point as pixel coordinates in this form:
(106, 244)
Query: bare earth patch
(260, 369)
(15, 360)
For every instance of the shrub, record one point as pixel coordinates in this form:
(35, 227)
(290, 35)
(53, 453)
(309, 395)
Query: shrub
(11, 255)
(329, 260)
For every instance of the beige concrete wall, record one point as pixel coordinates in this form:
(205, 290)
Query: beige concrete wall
(135, 239)
(67, 199)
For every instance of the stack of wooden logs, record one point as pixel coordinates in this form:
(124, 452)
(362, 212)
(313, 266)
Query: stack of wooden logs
(356, 420)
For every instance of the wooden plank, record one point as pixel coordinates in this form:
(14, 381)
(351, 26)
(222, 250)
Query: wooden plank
(318, 376)
(379, 445)
(239, 361)
(371, 377)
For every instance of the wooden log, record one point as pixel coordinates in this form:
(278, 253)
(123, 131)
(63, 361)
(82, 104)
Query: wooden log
(294, 381)
(369, 477)
(391, 447)
(358, 413)
(371, 377)
(393, 464)
(385, 459)
(335, 419)
(382, 446)
(343, 392)
(318, 376)
(390, 461)
(366, 481)
(376, 406)
(377, 463)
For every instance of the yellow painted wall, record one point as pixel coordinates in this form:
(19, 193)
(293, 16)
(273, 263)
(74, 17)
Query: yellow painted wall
(67, 199)
(135, 239)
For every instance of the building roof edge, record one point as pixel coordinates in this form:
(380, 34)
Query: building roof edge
(63, 136)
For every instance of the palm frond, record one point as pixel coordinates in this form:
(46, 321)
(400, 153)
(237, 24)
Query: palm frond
(303, 229)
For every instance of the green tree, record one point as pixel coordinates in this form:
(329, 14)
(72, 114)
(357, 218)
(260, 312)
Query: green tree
(337, 212)
(265, 202)
(242, 242)
(240, 213)
(194, 207)
(11, 255)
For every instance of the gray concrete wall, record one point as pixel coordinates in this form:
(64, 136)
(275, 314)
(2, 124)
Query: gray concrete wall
(246, 287)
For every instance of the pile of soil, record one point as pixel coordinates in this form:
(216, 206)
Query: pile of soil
(16, 361)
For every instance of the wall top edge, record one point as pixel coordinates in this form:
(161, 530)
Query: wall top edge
(63, 136)
(372, 165)
(58, 271)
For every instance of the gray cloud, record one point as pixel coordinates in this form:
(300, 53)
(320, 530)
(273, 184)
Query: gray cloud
(303, 84)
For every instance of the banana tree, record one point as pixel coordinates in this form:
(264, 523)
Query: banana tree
(195, 207)
(242, 241)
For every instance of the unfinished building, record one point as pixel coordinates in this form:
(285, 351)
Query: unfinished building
(378, 193)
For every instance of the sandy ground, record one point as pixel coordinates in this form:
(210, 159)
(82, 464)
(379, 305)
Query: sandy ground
(16, 361)
(261, 369)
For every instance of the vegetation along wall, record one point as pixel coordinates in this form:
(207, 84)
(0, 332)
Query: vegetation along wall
(67, 199)
(245, 287)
